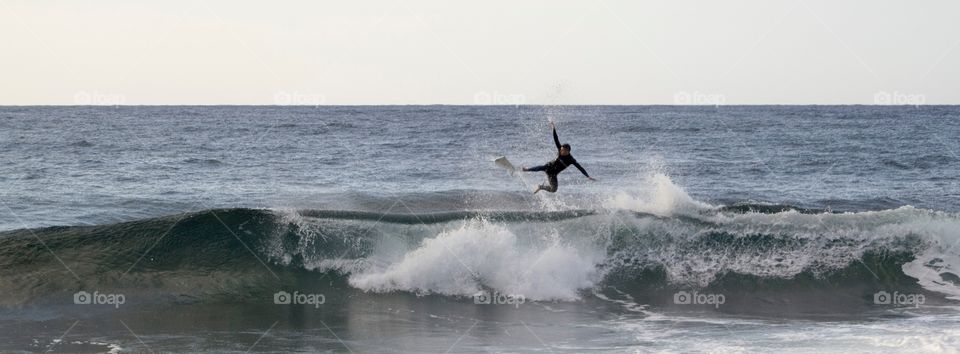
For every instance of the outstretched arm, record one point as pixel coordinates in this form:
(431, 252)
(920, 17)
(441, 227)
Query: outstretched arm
(584, 172)
(556, 139)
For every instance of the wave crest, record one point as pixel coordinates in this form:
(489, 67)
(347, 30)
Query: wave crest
(542, 255)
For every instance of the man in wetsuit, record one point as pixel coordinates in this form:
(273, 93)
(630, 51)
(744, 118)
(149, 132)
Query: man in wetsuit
(553, 168)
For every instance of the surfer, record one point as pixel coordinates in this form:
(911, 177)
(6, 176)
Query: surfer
(553, 168)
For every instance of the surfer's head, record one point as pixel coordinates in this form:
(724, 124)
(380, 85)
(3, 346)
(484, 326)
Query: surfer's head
(565, 149)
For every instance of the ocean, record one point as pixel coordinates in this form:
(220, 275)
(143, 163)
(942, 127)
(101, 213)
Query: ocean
(804, 229)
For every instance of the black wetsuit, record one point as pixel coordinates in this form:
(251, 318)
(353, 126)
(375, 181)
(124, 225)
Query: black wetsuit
(556, 166)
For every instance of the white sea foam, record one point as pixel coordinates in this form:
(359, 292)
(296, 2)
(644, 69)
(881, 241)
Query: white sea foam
(480, 254)
(657, 195)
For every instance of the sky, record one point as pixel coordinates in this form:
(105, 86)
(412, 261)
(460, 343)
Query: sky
(132, 52)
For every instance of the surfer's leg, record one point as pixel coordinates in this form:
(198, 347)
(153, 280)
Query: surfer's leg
(552, 187)
(535, 168)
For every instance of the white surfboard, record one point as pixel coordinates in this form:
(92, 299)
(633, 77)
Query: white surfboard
(502, 162)
(505, 164)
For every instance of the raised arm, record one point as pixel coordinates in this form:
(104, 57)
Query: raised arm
(556, 139)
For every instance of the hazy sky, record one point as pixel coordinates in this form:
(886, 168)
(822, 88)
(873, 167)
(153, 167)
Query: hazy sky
(458, 52)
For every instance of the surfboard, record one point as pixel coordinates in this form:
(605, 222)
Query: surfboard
(502, 162)
(505, 164)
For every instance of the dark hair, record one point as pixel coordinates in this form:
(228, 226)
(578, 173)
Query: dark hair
(565, 146)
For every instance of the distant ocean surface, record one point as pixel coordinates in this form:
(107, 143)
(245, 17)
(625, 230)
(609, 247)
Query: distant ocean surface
(389, 229)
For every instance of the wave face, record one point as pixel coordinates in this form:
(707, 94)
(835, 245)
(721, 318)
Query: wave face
(564, 255)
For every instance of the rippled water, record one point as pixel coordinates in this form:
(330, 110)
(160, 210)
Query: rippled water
(796, 215)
